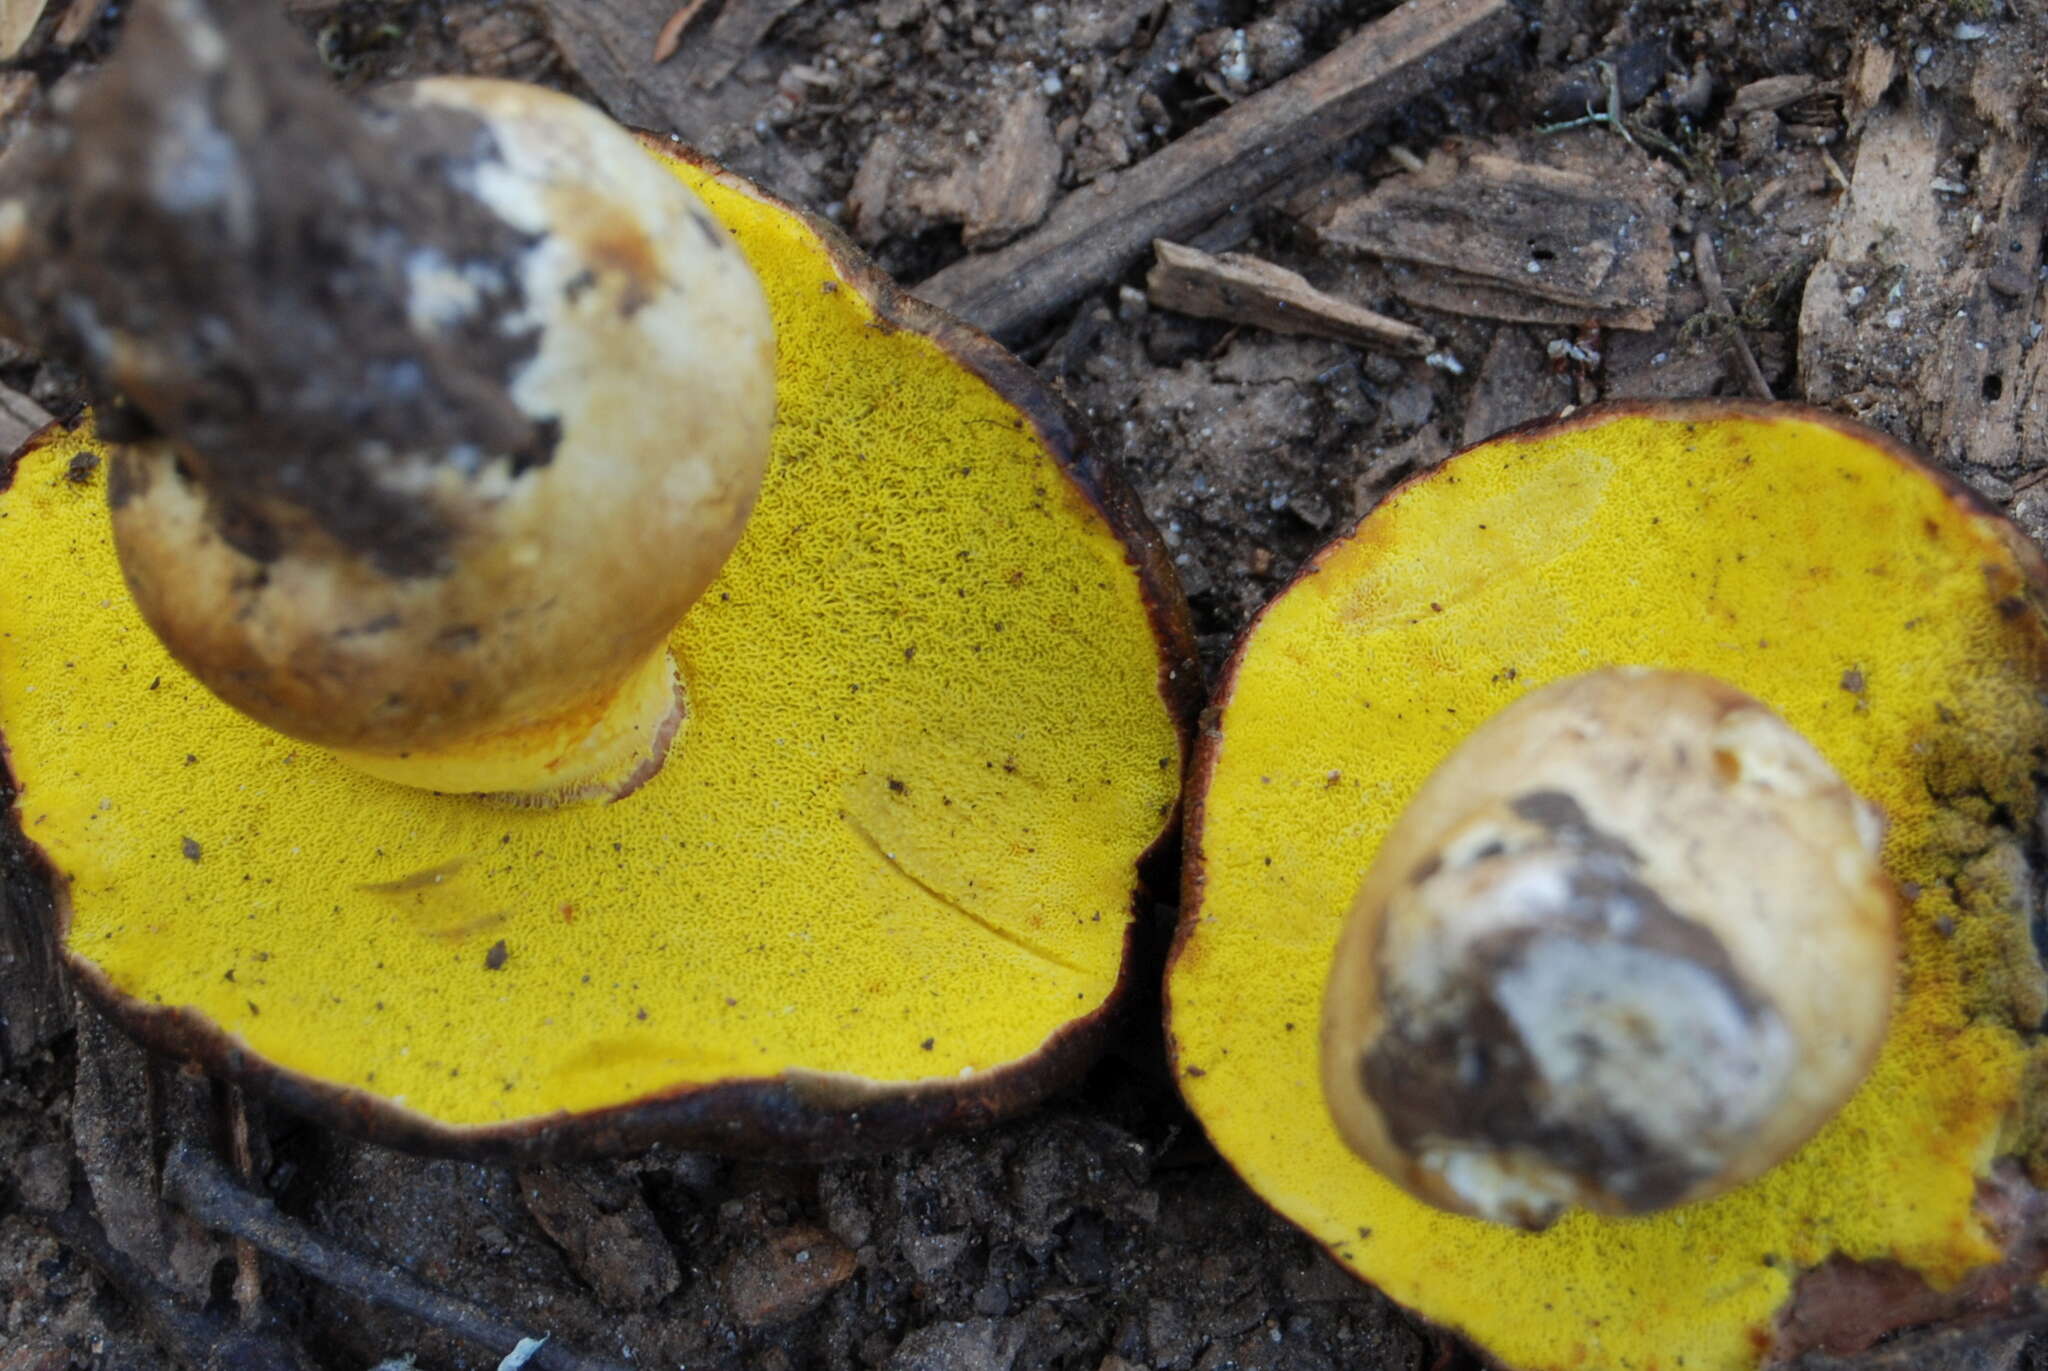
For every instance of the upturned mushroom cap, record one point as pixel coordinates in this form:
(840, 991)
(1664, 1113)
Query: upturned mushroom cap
(450, 405)
(1580, 969)
(940, 694)
(1876, 607)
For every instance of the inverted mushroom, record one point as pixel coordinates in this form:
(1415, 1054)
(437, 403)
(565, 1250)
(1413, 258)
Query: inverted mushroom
(1773, 553)
(392, 478)
(937, 698)
(1580, 970)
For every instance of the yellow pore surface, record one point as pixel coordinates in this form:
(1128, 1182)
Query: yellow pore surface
(896, 840)
(1821, 574)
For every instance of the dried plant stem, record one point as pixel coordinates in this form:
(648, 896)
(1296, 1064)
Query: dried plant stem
(197, 1183)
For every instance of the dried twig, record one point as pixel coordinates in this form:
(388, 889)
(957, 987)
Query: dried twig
(1709, 268)
(671, 36)
(197, 1183)
(189, 1337)
(1101, 230)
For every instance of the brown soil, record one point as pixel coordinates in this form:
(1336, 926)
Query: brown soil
(1101, 1233)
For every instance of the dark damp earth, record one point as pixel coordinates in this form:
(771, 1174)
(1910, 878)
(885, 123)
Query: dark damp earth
(1100, 1233)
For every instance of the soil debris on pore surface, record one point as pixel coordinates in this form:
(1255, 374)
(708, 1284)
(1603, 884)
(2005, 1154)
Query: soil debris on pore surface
(1841, 202)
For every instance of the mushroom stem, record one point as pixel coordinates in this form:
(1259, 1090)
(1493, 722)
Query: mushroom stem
(606, 752)
(1586, 966)
(437, 412)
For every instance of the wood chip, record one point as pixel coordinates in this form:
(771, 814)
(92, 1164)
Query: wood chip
(1245, 290)
(1868, 322)
(1771, 93)
(739, 28)
(495, 40)
(785, 1275)
(1098, 232)
(2003, 86)
(20, 417)
(608, 43)
(1501, 236)
(604, 1227)
(1919, 316)
(1993, 371)
(1871, 73)
(78, 21)
(994, 191)
(18, 19)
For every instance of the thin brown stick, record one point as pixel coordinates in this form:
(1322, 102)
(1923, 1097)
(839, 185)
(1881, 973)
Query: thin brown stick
(189, 1337)
(671, 36)
(197, 1183)
(1709, 269)
(1100, 231)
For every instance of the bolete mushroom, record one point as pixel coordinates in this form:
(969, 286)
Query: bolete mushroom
(402, 486)
(938, 694)
(1580, 968)
(1572, 731)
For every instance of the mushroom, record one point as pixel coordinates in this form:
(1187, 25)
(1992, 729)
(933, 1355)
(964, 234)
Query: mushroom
(1580, 968)
(395, 479)
(939, 699)
(1442, 783)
